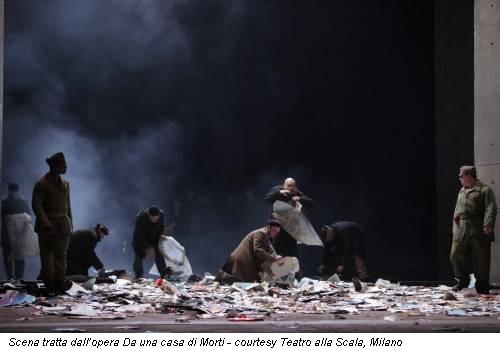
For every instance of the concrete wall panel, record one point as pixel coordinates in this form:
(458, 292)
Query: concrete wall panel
(487, 95)
(487, 105)
(486, 13)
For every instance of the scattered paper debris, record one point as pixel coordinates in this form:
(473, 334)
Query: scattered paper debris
(206, 299)
(448, 296)
(15, 298)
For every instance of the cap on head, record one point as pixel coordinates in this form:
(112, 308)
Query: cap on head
(56, 159)
(274, 223)
(13, 187)
(468, 170)
(154, 211)
(102, 228)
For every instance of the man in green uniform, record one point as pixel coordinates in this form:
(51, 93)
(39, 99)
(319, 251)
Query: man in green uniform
(473, 225)
(54, 223)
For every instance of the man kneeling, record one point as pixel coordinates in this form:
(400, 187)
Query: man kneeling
(254, 255)
(81, 253)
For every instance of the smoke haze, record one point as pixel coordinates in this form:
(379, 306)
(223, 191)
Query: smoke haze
(215, 102)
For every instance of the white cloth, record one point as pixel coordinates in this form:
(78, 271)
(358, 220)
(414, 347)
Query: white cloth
(175, 258)
(22, 238)
(289, 267)
(296, 223)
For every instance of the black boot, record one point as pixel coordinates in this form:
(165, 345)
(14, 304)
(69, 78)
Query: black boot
(62, 286)
(50, 289)
(483, 289)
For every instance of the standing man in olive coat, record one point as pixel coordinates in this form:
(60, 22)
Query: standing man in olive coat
(473, 225)
(54, 222)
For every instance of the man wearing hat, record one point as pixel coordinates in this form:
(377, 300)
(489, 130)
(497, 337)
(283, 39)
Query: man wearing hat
(81, 251)
(12, 204)
(473, 225)
(149, 225)
(54, 222)
(254, 255)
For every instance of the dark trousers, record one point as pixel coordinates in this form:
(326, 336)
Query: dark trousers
(159, 260)
(354, 266)
(285, 245)
(53, 246)
(80, 267)
(480, 252)
(13, 268)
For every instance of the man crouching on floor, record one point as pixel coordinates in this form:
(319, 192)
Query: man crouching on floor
(254, 255)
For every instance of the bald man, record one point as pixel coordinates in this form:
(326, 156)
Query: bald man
(285, 244)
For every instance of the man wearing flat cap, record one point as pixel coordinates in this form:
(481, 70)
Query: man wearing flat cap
(13, 204)
(54, 222)
(149, 225)
(473, 225)
(254, 255)
(81, 251)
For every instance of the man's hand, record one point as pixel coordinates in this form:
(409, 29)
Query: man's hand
(284, 192)
(340, 268)
(488, 230)
(296, 198)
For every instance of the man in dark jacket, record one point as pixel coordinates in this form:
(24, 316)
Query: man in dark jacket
(54, 223)
(12, 204)
(342, 243)
(81, 251)
(149, 225)
(285, 244)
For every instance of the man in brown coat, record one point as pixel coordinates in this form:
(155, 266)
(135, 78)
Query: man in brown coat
(54, 223)
(253, 255)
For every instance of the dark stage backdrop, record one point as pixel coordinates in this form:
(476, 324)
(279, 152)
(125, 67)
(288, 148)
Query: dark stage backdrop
(214, 102)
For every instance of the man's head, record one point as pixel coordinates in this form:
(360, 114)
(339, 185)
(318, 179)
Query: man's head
(289, 184)
(468, 176)
(274, 227)
(13, 188)
(153, 214)
(326, 232)
(101, 230)
(57, 163)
